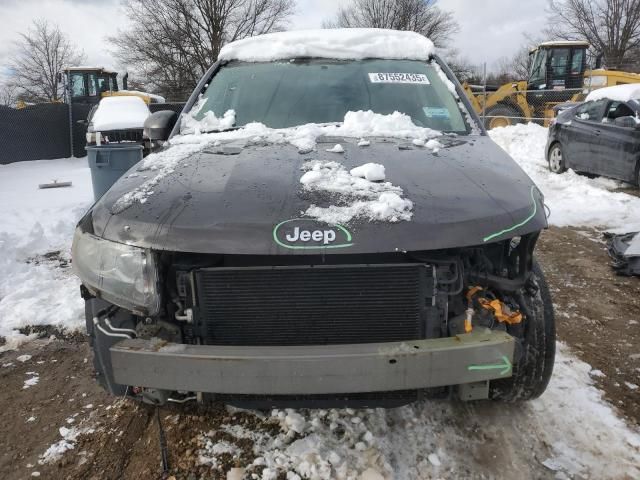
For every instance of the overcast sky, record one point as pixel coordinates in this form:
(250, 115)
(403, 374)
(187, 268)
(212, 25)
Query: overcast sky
(489, 29)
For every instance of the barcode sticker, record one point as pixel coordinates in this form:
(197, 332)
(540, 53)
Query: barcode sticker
(413, 78)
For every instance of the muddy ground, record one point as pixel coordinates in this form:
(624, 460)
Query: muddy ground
(598, 315)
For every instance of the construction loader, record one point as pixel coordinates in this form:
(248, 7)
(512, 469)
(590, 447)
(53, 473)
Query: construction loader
(89, 85)
(558, 74)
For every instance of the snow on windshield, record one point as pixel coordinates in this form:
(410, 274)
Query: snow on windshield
(342, 44)
(119, 113)
(208, 123)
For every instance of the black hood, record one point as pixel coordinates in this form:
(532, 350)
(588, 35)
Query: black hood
(246, 201)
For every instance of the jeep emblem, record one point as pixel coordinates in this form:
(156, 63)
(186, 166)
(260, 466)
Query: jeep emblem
(307, 234)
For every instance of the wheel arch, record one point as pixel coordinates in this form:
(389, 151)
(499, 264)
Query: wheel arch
(565, 158)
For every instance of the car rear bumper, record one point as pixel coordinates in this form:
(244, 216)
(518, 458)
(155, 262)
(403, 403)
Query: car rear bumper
(312, 370)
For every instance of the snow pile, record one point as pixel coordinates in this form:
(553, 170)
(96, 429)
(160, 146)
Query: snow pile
(337, 148)
(372, 172)
(68, 442)
(603, 446)
(370, 124)
(356, 125)
(33, 289)
(32, 381)
(570, 429)
(208, 455)
(343, 44)
(574, 200)
(208, 123)
(620, 93)
(357, 197)
(119, 113)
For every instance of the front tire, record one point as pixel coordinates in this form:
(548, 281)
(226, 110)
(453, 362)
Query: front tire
(535, 353)
(555, 158)
(502, 116)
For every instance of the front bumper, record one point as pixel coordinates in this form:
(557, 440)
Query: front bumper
(314, 370)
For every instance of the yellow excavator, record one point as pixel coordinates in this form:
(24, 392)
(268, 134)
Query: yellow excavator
(558, 74)
(89, 85)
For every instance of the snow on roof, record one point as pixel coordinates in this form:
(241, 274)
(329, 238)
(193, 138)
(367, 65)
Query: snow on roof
(81, 67)
(158, 98)
(565, 43)
(120, 113)
(344, 44)
(620, 93)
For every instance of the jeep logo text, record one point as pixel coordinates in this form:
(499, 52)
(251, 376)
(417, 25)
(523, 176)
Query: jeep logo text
(307, 234)
(326, 236)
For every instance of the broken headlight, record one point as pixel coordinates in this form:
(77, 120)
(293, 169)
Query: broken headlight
(121, 274)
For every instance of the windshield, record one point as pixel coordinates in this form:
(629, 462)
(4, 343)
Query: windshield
(291, 93)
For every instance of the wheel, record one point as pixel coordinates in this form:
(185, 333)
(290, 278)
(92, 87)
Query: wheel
(556, 159)
(502, 116)
(536, 345)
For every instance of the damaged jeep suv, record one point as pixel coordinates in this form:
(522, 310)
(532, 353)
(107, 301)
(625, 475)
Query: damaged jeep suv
(326, 223)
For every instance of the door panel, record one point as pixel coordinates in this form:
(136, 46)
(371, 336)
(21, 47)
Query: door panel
(617, 150)
(584, 132)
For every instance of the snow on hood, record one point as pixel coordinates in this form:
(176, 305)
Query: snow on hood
(120, 113)
(619, 93)
(357, 197)
(356, 124)
(343, 44)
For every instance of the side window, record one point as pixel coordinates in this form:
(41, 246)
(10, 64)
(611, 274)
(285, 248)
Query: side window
(590, 111)
(560, 62)
(77, 85)
(576, 64)
(617, 110)
(537, 69)
(92, 80)
(103, 84)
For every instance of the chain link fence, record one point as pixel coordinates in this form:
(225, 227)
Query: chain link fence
(48, 131)
(35, 132)
(509, 105)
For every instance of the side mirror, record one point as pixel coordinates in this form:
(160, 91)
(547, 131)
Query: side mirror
(626, 122)
(158, 126)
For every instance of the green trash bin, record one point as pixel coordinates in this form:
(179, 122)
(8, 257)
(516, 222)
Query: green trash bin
(109, 162)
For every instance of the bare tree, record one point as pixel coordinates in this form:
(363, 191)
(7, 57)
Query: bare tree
(514, 68)
(39, 56)
(422, 16)
(612, 27)
(9, 94)
(171, 43)
(461, 67)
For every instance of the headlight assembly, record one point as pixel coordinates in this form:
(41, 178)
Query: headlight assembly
(121, 274)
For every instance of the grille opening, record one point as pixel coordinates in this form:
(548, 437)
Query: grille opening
(312, 305)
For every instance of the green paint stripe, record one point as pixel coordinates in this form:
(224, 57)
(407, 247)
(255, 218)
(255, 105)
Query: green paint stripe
(505, 366)
(521, 224)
